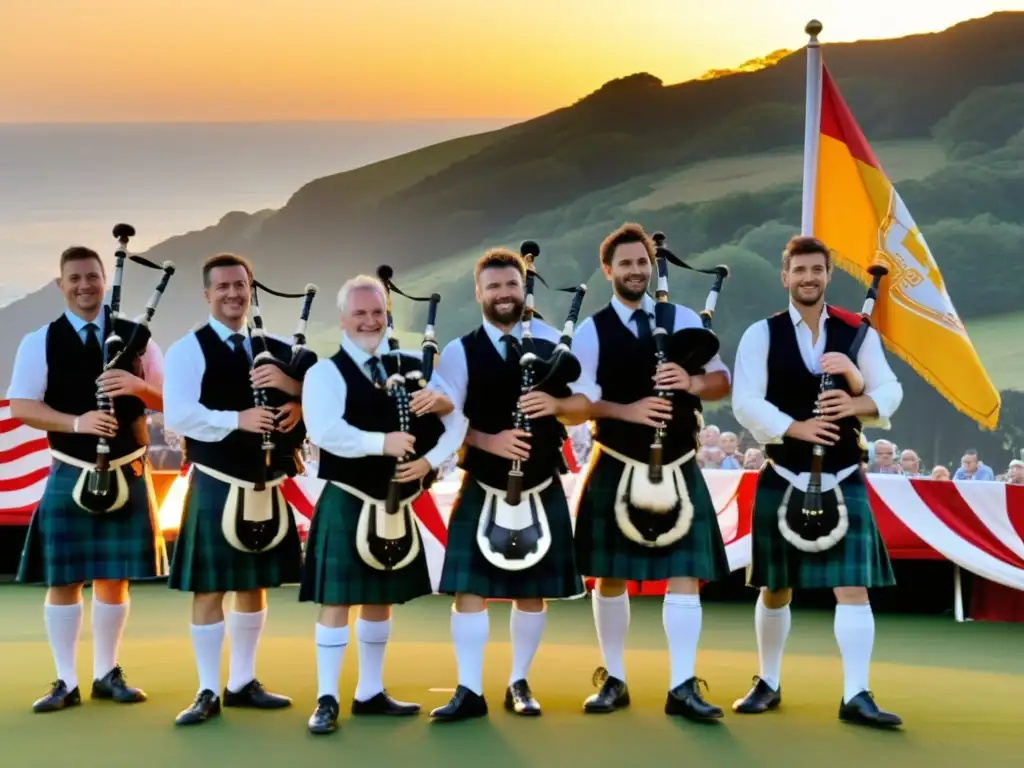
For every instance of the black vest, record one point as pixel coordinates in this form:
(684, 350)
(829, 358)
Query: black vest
(492, 394)
(374, 410)
(625, 366)
(794, 391)
(71, 388)
(226, 387)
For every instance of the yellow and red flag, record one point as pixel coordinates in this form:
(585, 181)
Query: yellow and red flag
(860, 216)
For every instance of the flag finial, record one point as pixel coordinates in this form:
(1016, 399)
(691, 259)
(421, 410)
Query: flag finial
(813, 28)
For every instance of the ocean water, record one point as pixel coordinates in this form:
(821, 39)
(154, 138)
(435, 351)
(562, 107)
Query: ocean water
(64, 184)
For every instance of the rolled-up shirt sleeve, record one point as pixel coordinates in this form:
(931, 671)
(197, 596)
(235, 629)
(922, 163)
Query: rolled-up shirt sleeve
(451, 373)
(28, 377)
(765, 422)
(880, 383)
(585, 348)
(323, 409)
(184, 415)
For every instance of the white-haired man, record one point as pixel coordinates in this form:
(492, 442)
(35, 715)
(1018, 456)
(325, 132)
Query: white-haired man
(372, 443)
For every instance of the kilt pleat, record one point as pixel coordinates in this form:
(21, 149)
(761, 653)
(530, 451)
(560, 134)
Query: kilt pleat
(467, 571)
(66, 544)
(860, 559)
(333, 572)
(204, 561)
(603, 551)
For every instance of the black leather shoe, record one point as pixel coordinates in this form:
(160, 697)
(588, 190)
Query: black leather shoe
(113, 686)
(383, 704)
(58, 698)
(685, 700)
(862, 710)
(759, 699)
(464, 704)
(614, 694)
(205, 706)
(519, 699)
(255, 696)
(325, 717)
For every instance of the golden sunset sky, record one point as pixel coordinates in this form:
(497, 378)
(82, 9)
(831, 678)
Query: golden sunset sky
(245, 60)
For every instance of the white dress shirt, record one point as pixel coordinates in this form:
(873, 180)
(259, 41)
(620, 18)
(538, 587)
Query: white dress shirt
(765, 422)
(28, 379)
(184, 367)
(587, 347)
(323, 405)
(455, 372)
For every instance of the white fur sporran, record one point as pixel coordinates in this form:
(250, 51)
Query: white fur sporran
(395, 538)
(513, 538)
(119, 483)
(819, 543)
(252, 521)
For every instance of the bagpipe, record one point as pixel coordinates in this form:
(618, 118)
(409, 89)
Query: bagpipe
(806, 520)
(299, 361)
(124, 344)
(387, 536)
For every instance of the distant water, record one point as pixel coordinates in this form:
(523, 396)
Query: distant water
(69, 184)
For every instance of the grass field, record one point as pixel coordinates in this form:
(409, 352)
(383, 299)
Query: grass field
(957, 687)
(999, 341)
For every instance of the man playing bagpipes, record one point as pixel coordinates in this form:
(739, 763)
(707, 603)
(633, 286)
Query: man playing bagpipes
(86, 379)
(375, 413)
(237, 532)
(645, 512)
(509, 534)
(798, 390)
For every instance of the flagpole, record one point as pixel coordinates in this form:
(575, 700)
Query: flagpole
(812, 126)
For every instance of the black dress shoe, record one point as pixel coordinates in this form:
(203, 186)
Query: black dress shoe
(383, 704)
(685, 700)
(325, 717)
(254, 695)
(614, 694)
(862, 710)
(759, 699)
(464, 704)
(113, 686)
(205, 706)
(519, 699)
(58, 698)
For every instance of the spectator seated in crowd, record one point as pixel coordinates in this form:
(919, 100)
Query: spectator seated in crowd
(1015, 472)
(939, 472)
(972, 468)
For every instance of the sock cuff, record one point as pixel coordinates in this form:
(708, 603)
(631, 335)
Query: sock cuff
(207, 629)
(541, 612)
(99, 605)
(373, 631)
(471, 624)
(682, 601)
(772, 611)
(623, 598)
(854, 609)
(63, 610)
(255, 619)
(331, 636)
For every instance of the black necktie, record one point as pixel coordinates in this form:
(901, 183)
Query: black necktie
(643, 324)
(238, 347)
(93, 350)
(513, 351)
(377, 374)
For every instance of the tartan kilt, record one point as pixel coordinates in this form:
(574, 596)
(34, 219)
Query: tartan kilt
(602, 550)
(204, 561)
(860, 559)
(69, 545)
(467, 571)
(333, 572)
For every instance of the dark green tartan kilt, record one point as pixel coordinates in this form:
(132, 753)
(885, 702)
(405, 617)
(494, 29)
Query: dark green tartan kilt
(467, 571)
(860, 559)
(204, 561)
(333, 572)
(68, 545)
(603, 551)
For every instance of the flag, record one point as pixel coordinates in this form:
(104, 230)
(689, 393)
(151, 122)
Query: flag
(24, 465)
(860, 216)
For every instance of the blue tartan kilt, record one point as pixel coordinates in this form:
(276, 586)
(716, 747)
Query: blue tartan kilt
(204, 561)
(69, 545)
(859, 559)
(603, 551)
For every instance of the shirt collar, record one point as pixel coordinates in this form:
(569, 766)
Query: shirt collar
(79, 324)
(359, 355)
(223, 331)
(495, 334)
(794, 315)
(626, 314)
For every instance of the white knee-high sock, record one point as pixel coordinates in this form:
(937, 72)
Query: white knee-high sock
(855, 634)
(244, 631)
(611, 618)
(771, 626)
(108, 622)
(373, 641)
(207, 643)
(63, 627)
(682, 617)
(330, 651)
(469, 635)
(525, 630)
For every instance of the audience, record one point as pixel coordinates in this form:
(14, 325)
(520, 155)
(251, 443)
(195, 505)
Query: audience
(940, 472)
(1015, 472)
(972, 468)
(910, 464)
(731, 456)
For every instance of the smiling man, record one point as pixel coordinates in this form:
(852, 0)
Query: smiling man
(237, 532)
(54, 388)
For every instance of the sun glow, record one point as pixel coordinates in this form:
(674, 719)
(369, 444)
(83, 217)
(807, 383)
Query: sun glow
(173, 505)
